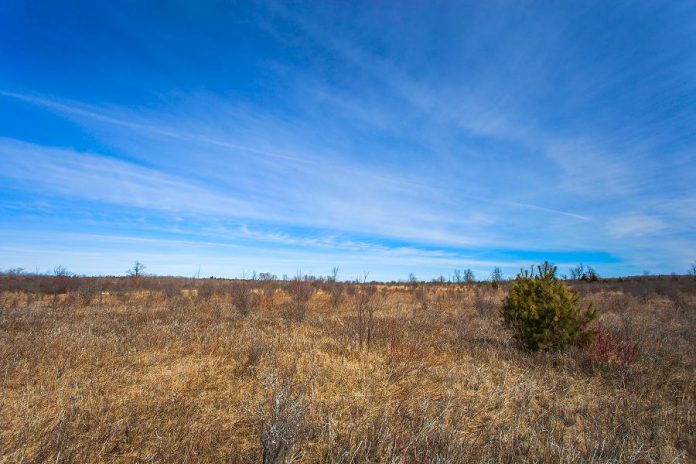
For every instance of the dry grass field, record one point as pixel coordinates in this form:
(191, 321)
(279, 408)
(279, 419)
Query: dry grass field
(180, 370)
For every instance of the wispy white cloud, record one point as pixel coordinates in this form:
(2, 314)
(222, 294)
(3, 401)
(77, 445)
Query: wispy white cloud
(319, 167)
(89, 112)
(56, 171)
(93, 177)
(635, 226)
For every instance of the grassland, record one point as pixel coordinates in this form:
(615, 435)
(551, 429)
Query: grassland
(174, 370)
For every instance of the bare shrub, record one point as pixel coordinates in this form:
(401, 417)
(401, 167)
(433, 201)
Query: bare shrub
(61, 281)
(350, 289)
(255, 352)
(171, 290)
(420, 292)
(206, 291)
(88, 291)
(610, 349)
(679, 299)
(300, 292)
(281, 416)
(336, 295)
(244, 299)
(365, 305)
(268, 291)
(335, 289)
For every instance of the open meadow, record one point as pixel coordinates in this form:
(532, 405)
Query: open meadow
(474, 226)
(155, 369)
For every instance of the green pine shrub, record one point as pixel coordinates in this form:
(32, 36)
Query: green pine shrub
(543, 313)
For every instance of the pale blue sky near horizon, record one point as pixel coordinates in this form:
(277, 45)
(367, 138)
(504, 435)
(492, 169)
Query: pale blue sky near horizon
(381, 137)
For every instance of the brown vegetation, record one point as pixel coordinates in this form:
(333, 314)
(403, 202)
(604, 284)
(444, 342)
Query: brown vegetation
(183, 370)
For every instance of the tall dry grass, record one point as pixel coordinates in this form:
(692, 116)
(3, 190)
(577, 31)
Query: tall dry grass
(118, 370)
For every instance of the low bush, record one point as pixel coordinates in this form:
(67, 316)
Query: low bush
(610, 349)
(281, 416)
(300, 291)
(244, 298)
(543, 313)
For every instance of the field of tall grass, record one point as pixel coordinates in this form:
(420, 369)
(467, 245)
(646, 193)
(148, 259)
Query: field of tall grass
(147, 369)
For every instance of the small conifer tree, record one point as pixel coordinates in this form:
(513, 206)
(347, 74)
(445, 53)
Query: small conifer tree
(543, 313)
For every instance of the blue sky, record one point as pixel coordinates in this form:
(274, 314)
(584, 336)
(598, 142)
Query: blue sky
(380, 137)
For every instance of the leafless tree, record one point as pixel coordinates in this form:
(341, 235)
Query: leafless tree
(60, 282)
(582, 272)
(60, 271)
(469, 277)
(14, 272)
(577, 272)
(137, 269)
(267, 276)
(497, 275)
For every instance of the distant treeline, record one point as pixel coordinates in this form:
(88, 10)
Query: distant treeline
(61, 281)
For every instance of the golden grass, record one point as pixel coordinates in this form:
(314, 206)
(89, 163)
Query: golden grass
(144, 377)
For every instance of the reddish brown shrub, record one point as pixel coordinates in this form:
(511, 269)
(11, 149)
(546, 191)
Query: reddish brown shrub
(608, 348)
